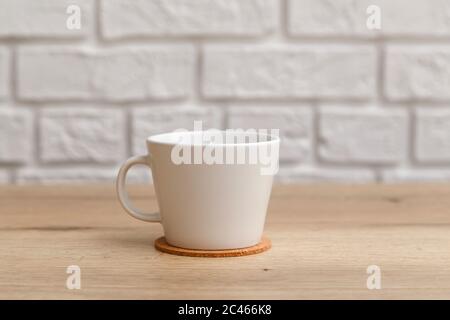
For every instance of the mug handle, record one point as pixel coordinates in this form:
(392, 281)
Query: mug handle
(122, 193)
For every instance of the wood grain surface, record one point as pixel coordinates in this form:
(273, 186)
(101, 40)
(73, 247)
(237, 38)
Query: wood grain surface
(323, 239)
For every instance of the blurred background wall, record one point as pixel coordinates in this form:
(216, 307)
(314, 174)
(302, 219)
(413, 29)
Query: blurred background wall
(353, 103)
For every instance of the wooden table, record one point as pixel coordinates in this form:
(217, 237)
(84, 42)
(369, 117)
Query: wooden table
(324, 238)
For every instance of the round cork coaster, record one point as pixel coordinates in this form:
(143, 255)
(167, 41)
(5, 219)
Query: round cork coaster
(162, 245)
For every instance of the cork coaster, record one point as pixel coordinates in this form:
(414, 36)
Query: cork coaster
(162, 245)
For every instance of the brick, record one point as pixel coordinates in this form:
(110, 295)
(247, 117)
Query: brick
(433, 135)
(16, 142)
(367, 136)
(294, 124)
(288, 72)
(4, 72)
(83, 175)
(49, 73)
(349, 17)
(65, 175)
(313, 174)
(30, 19)
(82, 135)
(155, 120)
(417, 73)
(404, 175)
(123, 18)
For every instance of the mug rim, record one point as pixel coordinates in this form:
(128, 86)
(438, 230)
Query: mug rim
(153, 139)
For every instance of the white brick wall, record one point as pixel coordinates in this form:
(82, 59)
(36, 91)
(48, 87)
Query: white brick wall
(288, 72)
(416, 175)
(185, 18)
(348, 17)
(65, 175)
(81, 135)
(417, 73)
(150, 121)
(362, 136)
(30, 19)
(352, 104)
(433, 135)
(4, 72)
(311, 174)
(50, 73)
(294, 123)
(16, 136)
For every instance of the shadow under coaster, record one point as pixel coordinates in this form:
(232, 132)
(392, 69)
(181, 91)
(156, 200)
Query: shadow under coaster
(162, 245)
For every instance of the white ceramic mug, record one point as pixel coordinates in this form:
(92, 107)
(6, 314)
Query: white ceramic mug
(206, 206)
